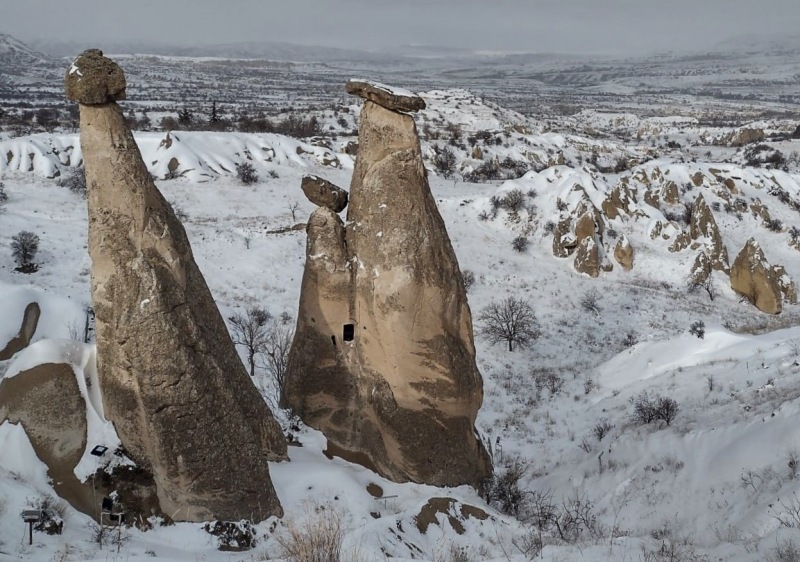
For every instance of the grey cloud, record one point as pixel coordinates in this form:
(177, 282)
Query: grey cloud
(607, 26)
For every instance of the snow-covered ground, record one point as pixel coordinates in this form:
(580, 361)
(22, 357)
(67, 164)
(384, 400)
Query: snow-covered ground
(718, 483)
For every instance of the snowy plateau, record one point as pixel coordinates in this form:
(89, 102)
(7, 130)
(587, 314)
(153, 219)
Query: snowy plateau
(579, 475)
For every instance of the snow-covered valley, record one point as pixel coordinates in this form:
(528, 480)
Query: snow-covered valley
(716, 480)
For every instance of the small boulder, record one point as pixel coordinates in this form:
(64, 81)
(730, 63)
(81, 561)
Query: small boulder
(323, 193)
(395, 99)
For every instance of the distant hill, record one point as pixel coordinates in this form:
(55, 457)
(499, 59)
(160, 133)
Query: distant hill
(16, 57)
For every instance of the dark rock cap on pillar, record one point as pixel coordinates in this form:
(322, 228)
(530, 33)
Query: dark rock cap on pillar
(93, 79)
(394, 99)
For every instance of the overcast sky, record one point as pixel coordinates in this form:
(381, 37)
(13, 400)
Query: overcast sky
(576, 26)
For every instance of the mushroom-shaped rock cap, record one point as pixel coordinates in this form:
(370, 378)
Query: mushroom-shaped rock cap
(396, 99)
(93, 79)
(324, 194)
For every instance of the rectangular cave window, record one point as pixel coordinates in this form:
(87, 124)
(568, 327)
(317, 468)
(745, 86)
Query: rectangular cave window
(349, 332)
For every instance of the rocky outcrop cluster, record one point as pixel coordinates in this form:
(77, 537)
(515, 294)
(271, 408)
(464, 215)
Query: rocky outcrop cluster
(172, 382)
(383, 360)
(583, 236)
(765, 286)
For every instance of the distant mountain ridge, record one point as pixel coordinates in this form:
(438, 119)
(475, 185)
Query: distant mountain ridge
(16, 56)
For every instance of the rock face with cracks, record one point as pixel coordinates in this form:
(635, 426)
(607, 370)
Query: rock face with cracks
(755, 279)
(172, 382)
(383, 360)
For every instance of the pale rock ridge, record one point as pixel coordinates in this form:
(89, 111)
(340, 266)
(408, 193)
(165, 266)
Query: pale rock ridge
(171, 379)
(383, 360)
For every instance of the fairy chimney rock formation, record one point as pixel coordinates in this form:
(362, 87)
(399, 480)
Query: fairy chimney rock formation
(323, 193)
(383, 360)
(172, 381)
(755, 279)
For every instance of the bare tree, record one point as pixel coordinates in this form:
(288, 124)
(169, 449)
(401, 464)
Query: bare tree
(250, 330)
(24, 246)
(706, 284)
(293, 207)
(511, 320)
(276, 350)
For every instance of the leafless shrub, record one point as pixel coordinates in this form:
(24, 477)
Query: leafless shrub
(630, 339)
(503, 491)
(601, 429)
(74, 179)
(788, 515)
(644, 410)
(698, 328)
(575, 518)
(293, 207)
(590, 301)
(318, 538)
(250, 331)
(513, 201)
(666, 409)
(520, 244)
(468, 277)
(452, 553)
(246, 173)
(548, 379)
(786, 551)
(792, 460)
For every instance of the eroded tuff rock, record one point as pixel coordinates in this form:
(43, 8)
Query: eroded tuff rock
(30, 321)
(623, 253)
(383, 361)
(755, 279)
(703, 225)
(323, 193)
(47, 402)
(171, 379)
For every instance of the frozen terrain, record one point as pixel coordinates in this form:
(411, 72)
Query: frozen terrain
(720, 482)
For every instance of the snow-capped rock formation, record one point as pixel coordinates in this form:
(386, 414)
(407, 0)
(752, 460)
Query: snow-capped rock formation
(171, 379)
(383, 360)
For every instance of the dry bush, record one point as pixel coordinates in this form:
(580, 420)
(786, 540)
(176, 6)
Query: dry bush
(786, 551)
(318, 537)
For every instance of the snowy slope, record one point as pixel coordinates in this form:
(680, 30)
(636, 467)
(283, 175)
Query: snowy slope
(713, 485)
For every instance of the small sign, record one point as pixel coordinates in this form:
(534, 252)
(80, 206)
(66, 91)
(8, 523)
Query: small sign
(99, 450)
(31, 515)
